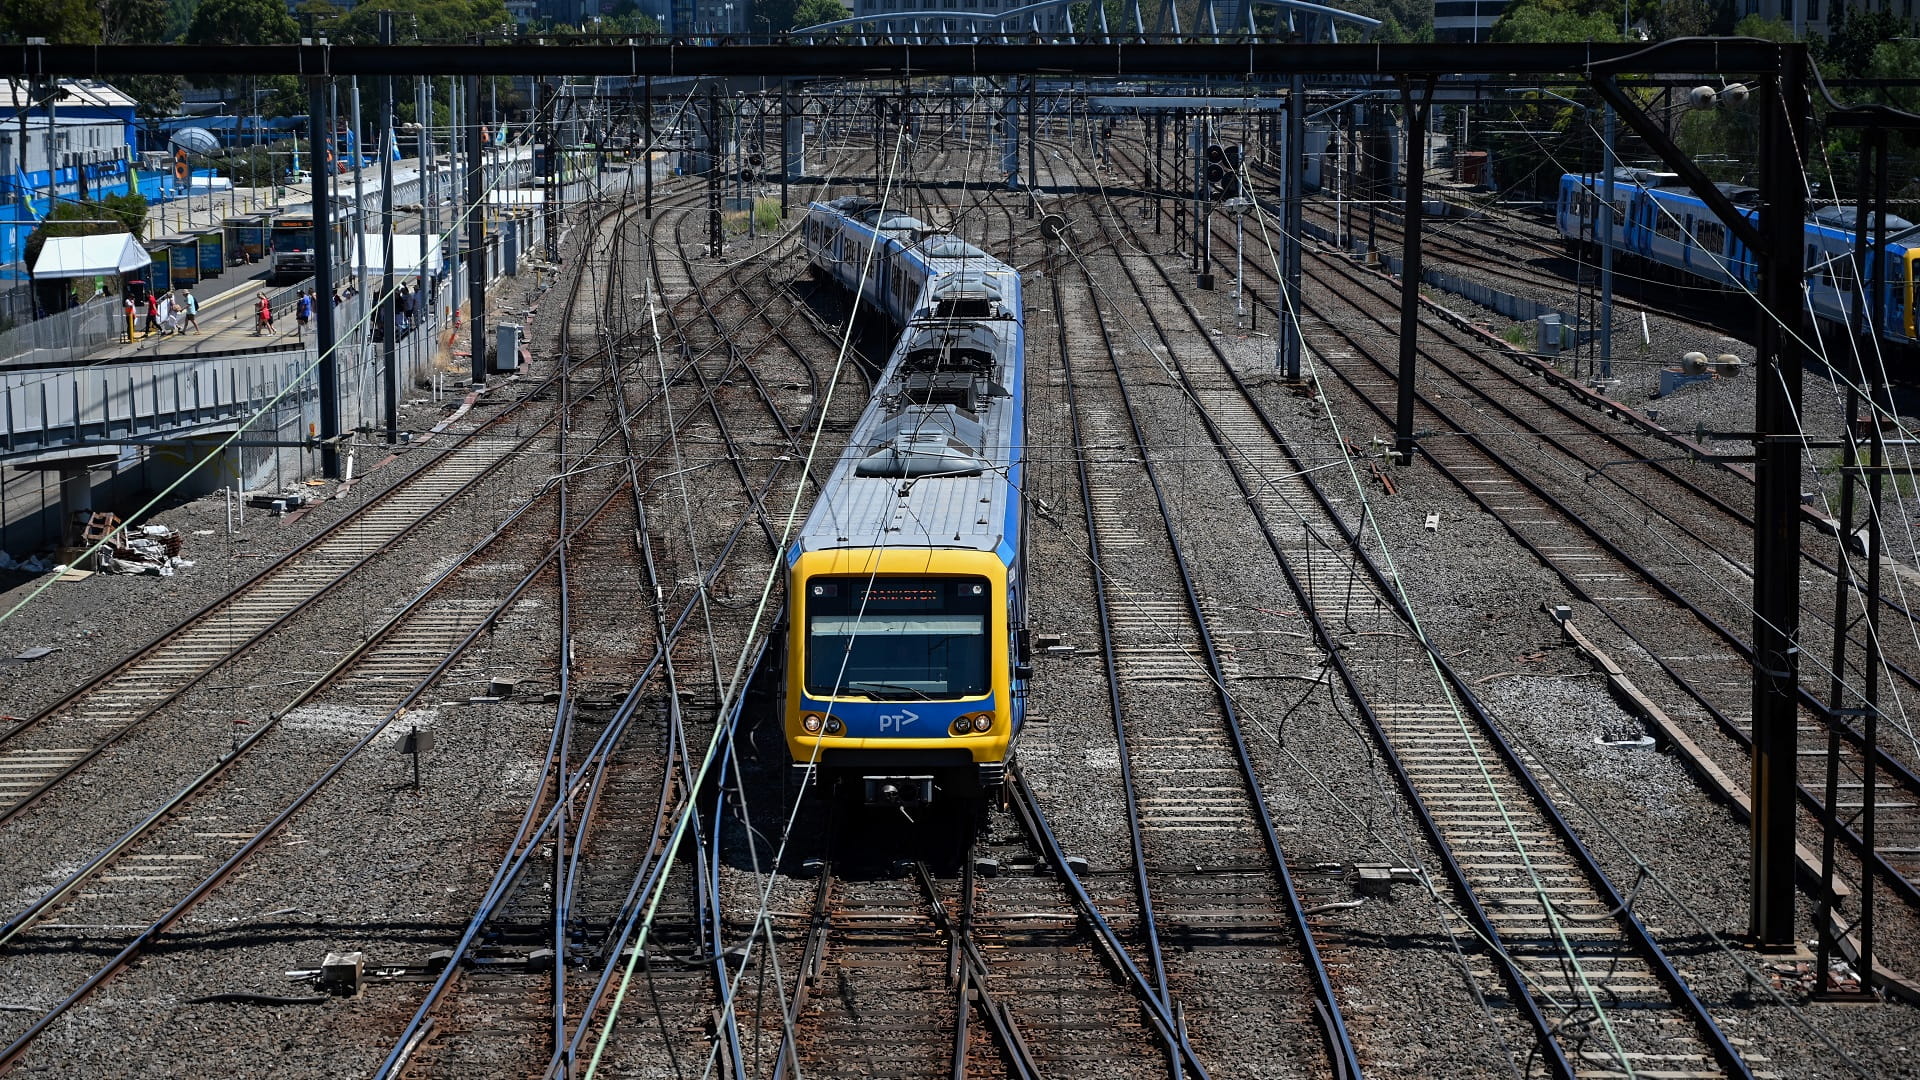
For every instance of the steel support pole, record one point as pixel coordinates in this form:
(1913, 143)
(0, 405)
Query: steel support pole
(429, 195)
(646, 118)
(390, 323)
(1159, 169)
(1414, 162)
(1606, 246)
(716, 148)
(786, 144)
(476, 236)
(1776, 511)
(1033, 177)
(1292, 170)
(1845, 583)
(323, 323)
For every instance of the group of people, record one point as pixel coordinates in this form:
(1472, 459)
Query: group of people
(178, 311)
(303, 303)
(165, 313)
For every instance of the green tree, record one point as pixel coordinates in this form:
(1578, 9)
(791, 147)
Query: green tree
(426, 20)
(815, 12)
(1564, 21)
(61, 22)
(242, 22)
(155, 97)
(1853, 36)
(179, 17)
(1679, 18)
(1897, 60)
(319, 16)
(777, 13)
(1759, 26)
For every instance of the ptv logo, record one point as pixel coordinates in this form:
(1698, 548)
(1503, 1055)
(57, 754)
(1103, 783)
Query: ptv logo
(897, 721)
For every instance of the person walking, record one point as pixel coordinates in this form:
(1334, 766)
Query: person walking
(303, 312)
(166, 315)
(263, 315)
(153, 315)
(192, 324)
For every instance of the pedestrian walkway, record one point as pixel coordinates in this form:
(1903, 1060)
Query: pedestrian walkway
(227, 320)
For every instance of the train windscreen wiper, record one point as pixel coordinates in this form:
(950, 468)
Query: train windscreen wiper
(898, 690)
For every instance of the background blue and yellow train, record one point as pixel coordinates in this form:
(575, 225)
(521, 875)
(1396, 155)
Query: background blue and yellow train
(1662, 228)
(906, 651)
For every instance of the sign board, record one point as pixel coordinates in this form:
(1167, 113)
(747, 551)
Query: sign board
(213, 250)
(183, 263)
(246, 237)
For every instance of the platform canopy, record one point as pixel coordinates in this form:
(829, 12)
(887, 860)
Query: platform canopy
(90, 256)
(406, 254)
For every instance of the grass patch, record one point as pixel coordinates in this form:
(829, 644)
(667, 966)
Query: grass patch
(1518, 335)
(766, 218)
(1900, 482)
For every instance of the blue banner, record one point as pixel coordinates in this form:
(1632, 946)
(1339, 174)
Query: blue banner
(183, 264)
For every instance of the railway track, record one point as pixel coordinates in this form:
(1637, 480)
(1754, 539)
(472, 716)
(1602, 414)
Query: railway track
(1606, 562)
(1209, 863)
(349, 708)
(1595, 546)
(579, 879)
(1527, 886)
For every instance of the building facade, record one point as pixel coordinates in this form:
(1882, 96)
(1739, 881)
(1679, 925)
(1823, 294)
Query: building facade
(1466, 20)
(59, 142)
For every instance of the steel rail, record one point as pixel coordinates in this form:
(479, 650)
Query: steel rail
(645, 878)
(1635, 930)
(265, 577)
(1342, 1054)
(1143, 891)
(971, 981)
(11, 1055)
(1908, 889)
(1910, 780)
(515, 864)
(1543, 1027)
(17, 922)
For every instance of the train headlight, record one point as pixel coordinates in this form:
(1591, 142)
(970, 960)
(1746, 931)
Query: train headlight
(811, 721)
(982, 721)
(834, 726)
(962, 725)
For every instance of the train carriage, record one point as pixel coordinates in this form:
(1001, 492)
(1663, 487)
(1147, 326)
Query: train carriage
(1665, 229)
(905, 644)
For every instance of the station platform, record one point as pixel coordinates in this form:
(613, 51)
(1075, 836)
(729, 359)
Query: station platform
(226, 322)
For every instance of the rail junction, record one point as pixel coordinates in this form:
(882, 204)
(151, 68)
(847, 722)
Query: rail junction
(1405, 697)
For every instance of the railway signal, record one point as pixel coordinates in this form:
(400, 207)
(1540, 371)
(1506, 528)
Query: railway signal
(1223, 171)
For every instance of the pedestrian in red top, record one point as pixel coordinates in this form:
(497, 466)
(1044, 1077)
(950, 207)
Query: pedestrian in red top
(153, 314)
(264, 320)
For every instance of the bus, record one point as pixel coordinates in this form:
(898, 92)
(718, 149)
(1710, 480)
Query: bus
(290, 248)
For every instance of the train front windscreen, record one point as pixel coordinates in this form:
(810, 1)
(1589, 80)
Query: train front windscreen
(891, 638)
(293, 237)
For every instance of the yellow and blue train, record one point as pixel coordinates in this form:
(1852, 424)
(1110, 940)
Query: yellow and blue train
(1663, 227)
(906, 650)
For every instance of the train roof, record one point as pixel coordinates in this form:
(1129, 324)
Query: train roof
(1846, 217)
(1626, 174)
(1738, 194)
(930, 463)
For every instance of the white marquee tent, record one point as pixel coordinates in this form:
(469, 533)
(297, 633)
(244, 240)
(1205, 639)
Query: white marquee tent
(91, 256)
(407, 258)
